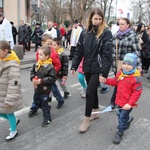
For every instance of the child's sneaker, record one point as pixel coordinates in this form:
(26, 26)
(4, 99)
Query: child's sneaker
(118, 137)
(103, 90)
(83, 91)
(60, 104)
(32, 112)
(83, 95)
(45, 123)
(11, 135)
(66, 95)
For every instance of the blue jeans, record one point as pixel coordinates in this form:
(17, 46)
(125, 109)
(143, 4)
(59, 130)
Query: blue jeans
(123, 118)
(41, 101)
(57, 93)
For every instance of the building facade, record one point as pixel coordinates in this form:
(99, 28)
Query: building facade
(16, 10)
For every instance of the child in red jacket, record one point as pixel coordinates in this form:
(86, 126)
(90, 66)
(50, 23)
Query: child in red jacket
(129, 89)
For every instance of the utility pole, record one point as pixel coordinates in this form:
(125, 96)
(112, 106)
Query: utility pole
(116, 9)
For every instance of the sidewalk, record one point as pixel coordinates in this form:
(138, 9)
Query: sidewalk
(28, 58)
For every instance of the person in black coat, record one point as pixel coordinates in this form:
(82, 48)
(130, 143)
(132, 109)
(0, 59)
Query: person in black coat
(95, 46)
(144, 41)
(28, 44)
(38, 32)
(14, 32)
(22, 34)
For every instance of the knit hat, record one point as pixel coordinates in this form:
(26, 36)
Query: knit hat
(131, 59)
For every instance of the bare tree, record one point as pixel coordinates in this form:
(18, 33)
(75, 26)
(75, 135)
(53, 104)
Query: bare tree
(141, 10)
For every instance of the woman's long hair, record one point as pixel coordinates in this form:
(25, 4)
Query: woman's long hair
(101, 28)
(139, 27)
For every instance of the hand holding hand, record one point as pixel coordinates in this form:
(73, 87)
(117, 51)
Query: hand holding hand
(102, 79)
(73, 72)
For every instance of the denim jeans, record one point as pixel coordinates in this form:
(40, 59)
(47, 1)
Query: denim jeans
(123, 118)
(57, 93)
(41, 101)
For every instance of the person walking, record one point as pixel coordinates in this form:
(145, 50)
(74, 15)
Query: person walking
(6, 30)
(129, 87)
(95, 45)
(47, 40)
(124, 41)
(81, 79)
(11, 99)
(51, 30)
(75, 34)
(144, 41)
(38, 32)
(22, 35)
(14, 32)
(29, 33)
(62, 74)
(42, 76)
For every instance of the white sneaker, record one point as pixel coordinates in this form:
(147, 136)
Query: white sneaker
(12, 135)
(83, 91)
(83, 95)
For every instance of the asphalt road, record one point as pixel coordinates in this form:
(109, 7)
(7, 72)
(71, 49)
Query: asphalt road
(62, 133)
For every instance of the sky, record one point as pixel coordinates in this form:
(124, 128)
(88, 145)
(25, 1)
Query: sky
(124, 6)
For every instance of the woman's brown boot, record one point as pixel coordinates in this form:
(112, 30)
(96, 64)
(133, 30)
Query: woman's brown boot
(84, 125)
(94, 116)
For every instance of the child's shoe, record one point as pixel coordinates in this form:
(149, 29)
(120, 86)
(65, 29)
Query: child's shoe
(103, 90)
(11, 135)
(32, 112)
(83, 95)
(66, 95)
(45, 123)
(118, 137)
(83, 91)
(60, 104)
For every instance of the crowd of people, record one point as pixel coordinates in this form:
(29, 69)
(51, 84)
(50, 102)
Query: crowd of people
(94, 50)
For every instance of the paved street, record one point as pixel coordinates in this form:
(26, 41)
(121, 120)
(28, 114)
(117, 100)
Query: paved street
(62, 133)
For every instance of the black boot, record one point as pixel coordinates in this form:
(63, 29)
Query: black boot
(118, 137)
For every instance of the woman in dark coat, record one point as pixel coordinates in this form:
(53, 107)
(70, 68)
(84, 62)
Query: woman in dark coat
(38, 32)
(95, 45)
(144, 41)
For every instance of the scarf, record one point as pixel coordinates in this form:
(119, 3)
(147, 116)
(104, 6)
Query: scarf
(121, 33)
(59, 51)
(40, 63)
(135, 74)
(11, 56)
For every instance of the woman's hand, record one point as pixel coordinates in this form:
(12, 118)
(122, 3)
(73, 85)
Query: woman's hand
(73, 72)
(102, 79)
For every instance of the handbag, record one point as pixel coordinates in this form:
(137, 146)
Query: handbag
(118, 62)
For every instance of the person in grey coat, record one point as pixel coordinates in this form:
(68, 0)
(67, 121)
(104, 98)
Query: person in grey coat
(10, 95)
